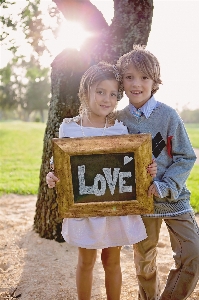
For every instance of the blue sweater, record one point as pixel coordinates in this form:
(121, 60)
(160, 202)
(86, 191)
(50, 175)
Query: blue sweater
(174, 155)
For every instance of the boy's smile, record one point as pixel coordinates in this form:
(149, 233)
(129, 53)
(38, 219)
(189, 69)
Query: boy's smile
(137, 86)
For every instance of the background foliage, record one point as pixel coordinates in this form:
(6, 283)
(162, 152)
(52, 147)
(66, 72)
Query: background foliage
(20, 163)
(24, 81)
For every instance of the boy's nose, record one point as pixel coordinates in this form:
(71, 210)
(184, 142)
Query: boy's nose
(136, 83)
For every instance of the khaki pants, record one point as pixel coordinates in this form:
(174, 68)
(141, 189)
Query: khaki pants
(184, 238)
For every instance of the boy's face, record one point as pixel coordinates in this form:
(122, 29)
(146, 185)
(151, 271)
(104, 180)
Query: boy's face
(137, 86)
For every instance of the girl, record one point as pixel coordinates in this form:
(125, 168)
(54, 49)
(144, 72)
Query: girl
(100, 89)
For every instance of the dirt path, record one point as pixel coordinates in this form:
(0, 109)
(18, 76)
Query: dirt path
(41, 269)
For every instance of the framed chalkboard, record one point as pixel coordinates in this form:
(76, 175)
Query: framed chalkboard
(103, 176)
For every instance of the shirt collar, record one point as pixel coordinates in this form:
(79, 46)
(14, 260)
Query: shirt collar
(146, 109)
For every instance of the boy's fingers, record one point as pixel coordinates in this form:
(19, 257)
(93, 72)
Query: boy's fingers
(152, 168)
(151, 190)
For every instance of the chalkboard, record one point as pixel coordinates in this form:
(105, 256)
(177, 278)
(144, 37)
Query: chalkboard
(102, 176)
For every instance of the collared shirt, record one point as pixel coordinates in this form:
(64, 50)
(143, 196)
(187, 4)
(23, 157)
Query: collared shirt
(146, 109)
(174, 197)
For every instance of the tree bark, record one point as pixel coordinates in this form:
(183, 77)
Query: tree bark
(131, 25)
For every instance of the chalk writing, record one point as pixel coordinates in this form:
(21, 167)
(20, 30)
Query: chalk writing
(103, 177)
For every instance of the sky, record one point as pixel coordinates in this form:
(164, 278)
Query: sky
(173, 39)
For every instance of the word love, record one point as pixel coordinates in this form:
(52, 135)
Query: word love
(100, 182)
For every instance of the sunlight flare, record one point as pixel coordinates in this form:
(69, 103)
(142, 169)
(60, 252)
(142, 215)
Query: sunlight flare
(71, 35)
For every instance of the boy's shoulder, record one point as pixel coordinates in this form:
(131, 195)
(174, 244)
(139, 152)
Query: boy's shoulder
(161, 108)
(166, 107)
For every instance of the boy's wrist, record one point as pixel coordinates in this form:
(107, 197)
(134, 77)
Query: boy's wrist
(162, 189)
(158, 189)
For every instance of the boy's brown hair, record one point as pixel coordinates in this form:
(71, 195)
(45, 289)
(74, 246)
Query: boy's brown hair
(144, 61)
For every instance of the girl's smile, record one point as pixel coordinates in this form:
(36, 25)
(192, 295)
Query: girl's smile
(102, 99)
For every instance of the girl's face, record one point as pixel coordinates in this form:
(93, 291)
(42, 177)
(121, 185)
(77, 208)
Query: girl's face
(137, 86)
(103, 97)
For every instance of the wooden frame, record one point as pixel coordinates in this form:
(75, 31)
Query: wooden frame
(68, 153)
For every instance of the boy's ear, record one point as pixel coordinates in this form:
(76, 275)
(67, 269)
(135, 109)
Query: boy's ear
(155, 87)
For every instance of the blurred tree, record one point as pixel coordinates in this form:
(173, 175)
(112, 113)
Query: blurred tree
(22, 91)
(131, 25)
(37, 93)
(190, 116)
(7, 92)
(6, 22)
(11, 89)
(24, 88)
(29, 21)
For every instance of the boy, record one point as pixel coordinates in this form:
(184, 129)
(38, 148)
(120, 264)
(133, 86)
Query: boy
(175, 158)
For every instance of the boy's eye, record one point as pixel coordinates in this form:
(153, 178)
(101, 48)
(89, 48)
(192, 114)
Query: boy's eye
(145, 77)
(114, 95)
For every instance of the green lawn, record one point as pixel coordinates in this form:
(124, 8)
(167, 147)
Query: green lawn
(193, 186)
(21, 151)
(193, 180)
(20, 156)
(193, 132)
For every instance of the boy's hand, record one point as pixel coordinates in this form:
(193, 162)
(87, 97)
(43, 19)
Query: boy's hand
(51, 180)
(152, 169)
(152, 191)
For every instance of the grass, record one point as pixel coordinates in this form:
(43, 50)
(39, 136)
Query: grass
(20, 156)
(193, 182)
(21, 151)
(193, 132)
(193, 186)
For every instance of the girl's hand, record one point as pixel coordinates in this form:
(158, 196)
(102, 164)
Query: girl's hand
(51, 180)
(152, 191)
(152, 169)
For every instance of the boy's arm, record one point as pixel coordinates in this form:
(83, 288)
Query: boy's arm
(176, 174)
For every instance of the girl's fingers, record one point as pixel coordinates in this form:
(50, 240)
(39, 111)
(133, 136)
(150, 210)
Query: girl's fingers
(51, 180)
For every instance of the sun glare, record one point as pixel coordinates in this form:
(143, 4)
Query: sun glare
(71, 35)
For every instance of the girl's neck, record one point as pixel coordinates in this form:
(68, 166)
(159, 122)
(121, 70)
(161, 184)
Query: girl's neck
(94, 121)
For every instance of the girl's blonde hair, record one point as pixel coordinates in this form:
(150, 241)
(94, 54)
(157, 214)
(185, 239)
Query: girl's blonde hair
(97, 73)
(144, 61)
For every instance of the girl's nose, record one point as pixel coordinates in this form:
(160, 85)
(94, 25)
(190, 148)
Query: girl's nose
(106, 98)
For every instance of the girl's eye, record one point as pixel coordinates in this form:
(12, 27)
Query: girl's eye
(100, 92)
(145, 77)
(114, 95)
(128, 77)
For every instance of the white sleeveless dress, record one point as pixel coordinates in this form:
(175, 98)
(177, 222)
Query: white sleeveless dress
(100, 232)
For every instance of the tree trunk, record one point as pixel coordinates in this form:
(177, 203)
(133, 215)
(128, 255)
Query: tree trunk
(131, 25)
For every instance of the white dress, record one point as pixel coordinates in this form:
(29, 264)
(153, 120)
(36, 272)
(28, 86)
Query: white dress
(100, 232)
